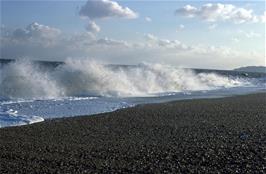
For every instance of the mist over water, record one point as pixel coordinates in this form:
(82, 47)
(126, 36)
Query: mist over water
(27, 80)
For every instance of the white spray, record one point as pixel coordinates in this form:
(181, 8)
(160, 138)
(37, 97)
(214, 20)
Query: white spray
(23, 79)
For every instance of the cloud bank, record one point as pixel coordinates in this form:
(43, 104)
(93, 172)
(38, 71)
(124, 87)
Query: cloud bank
(220, 12)
(41, 42)
(36, 31)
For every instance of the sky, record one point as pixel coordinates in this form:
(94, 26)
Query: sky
(197, 34)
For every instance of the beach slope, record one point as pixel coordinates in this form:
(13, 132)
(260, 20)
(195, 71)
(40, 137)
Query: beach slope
(225, 135)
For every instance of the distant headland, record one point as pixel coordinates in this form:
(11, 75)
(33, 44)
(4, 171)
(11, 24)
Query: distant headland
(258, 69)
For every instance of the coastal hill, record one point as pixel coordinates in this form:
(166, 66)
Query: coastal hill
(258, 69)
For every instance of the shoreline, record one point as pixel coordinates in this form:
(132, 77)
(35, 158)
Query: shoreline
(263, 91)
(199, 135)
(140, 104)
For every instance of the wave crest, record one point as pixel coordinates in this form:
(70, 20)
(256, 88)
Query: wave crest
(24, 79)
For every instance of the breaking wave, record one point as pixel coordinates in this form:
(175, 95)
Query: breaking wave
(25, 79)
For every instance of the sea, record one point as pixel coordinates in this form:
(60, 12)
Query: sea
(34, 91)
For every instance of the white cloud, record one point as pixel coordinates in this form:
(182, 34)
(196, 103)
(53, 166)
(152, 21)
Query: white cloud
(219, 12)
(250, 34)
(97, 9)
(148, 19)
(234, 39)
(93, 27)
(188, 11)
(180, 27)
(77, 41)
(109, 42)
(100, 9)
(155, 42)
(35, 30)
(150, 37)
(34, 33)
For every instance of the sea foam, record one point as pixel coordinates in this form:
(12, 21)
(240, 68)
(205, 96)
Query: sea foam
(12, 118)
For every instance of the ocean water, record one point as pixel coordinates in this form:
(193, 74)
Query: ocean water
(31, 92)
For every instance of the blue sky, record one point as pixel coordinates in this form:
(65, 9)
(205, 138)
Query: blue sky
(184, 33)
